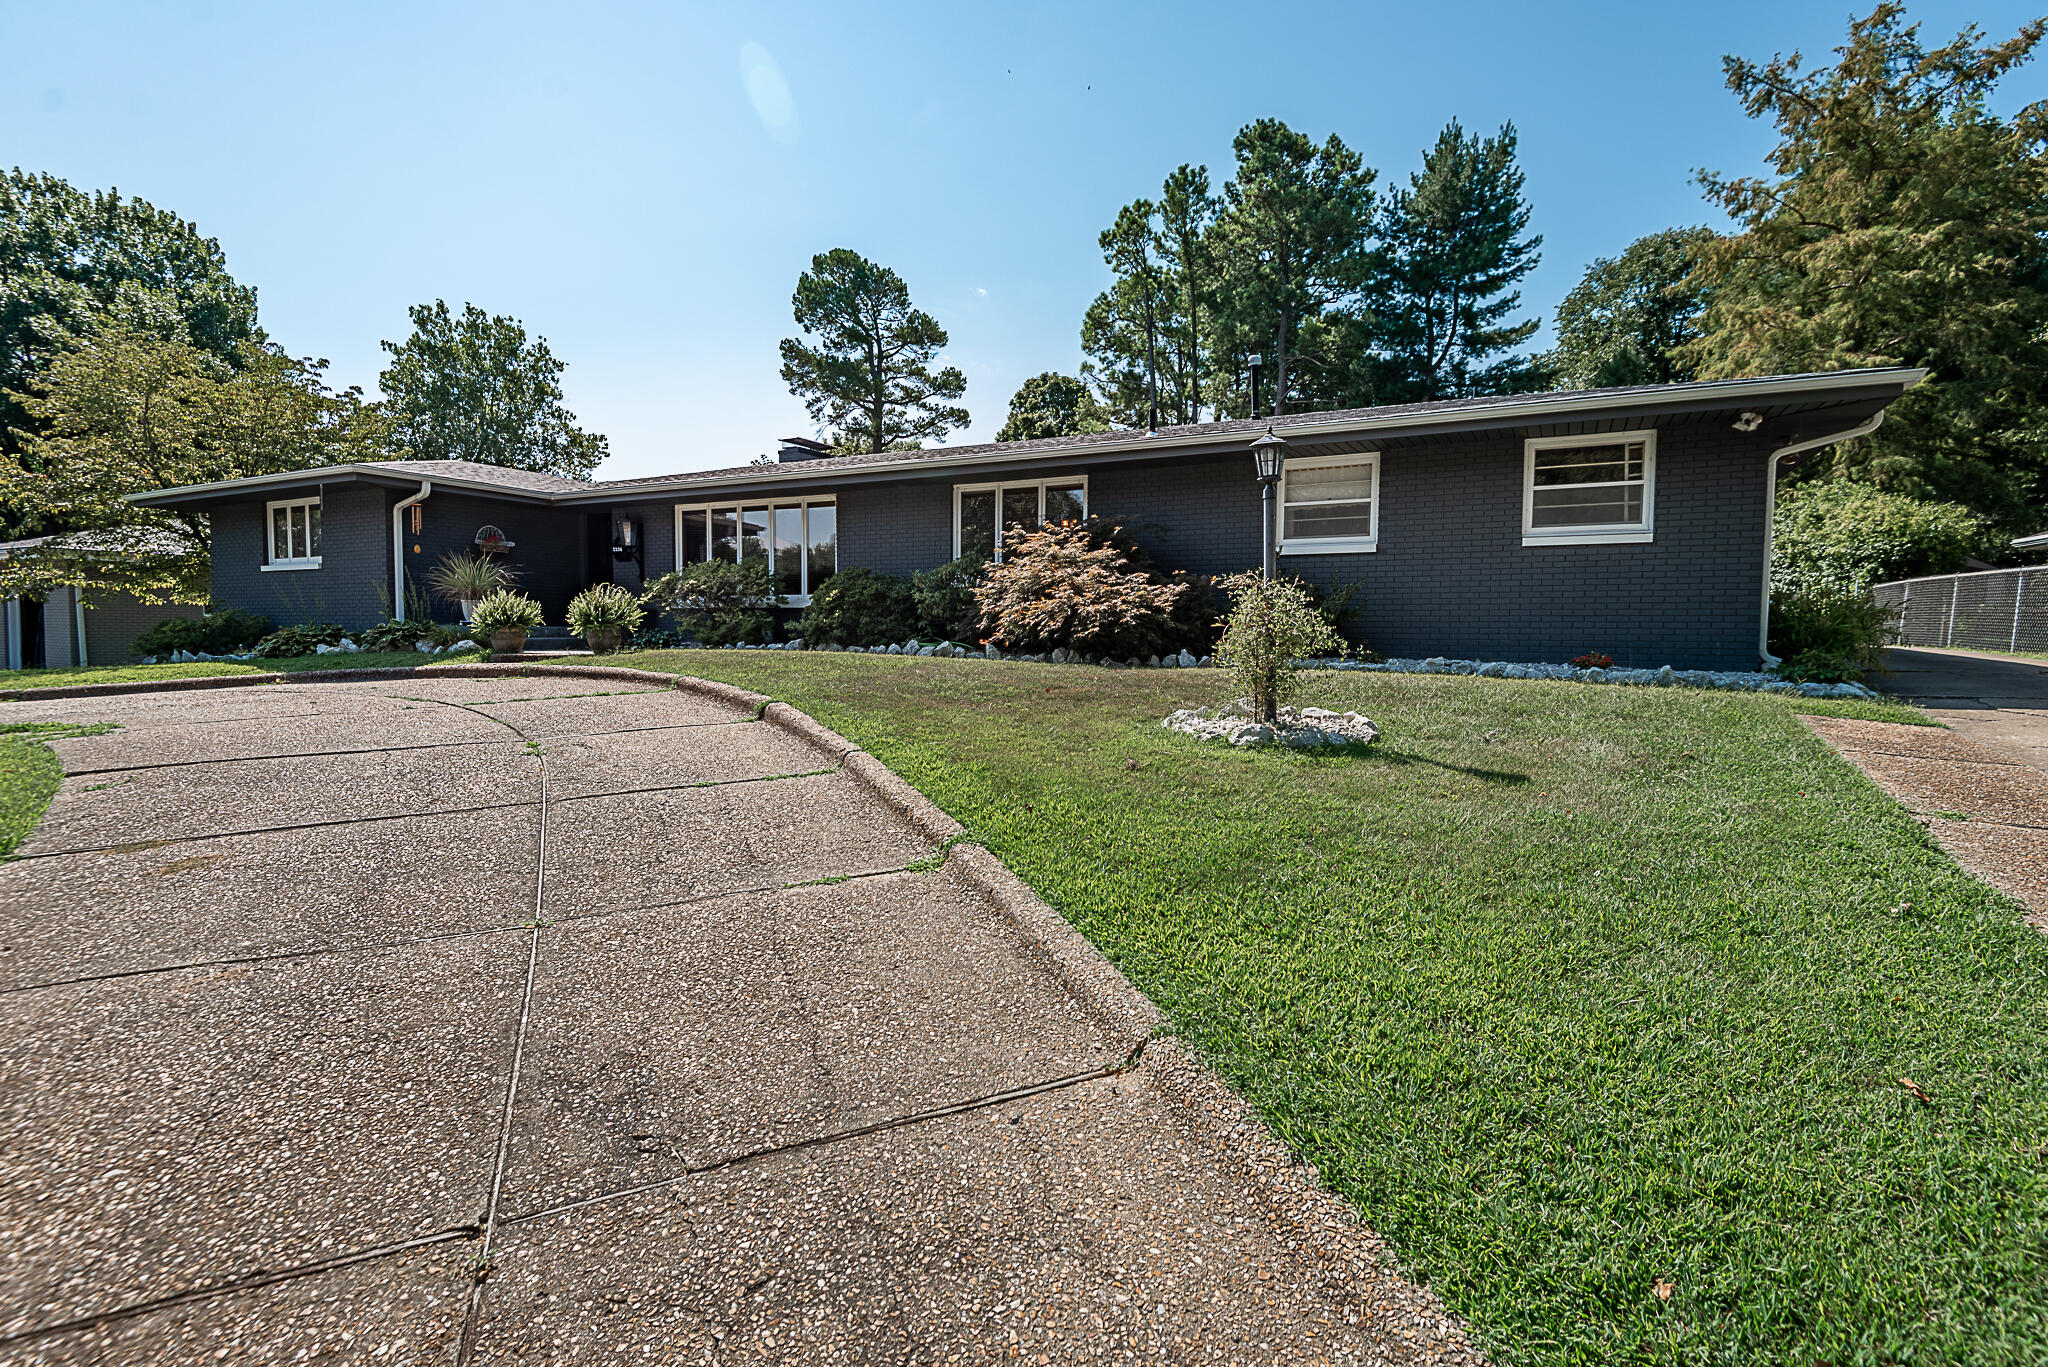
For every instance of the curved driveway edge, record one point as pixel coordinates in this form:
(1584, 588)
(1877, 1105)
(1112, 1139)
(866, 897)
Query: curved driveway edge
(1382, 1316)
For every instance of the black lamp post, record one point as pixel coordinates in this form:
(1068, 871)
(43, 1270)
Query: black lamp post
(1267, 454)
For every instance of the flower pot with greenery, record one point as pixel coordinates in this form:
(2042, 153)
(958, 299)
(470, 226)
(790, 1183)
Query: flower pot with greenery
(504, 620)
(602, 615)
(466, 578)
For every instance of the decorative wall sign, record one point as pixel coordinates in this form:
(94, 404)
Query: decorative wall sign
(489, 538)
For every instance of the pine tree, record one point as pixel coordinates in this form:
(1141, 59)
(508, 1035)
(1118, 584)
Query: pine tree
(869, 380)
(1627, 320)
(1452, 247)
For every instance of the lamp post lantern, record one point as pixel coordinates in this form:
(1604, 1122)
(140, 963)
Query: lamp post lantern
(1267, 453)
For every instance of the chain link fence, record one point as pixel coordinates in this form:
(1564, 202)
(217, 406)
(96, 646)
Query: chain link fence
(1987, 610)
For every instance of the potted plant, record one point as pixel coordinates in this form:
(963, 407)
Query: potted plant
(504, 620)
(466, 578)
(602, 615)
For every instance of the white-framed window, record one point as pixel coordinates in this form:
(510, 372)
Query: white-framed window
(1330, 505)
(799, 538)
(293, 541)
(1589, 491)
(983, 514)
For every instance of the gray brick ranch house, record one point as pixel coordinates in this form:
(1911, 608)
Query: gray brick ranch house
(1527, 527)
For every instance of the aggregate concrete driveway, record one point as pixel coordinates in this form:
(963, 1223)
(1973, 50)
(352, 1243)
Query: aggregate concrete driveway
(552, 1018)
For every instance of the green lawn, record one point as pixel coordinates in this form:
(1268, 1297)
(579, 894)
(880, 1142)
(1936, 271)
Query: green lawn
(207, 669)
(29, 775)
(1571, 989)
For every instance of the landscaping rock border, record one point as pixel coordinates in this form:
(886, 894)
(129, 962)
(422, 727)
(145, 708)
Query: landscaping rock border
(1751, 681)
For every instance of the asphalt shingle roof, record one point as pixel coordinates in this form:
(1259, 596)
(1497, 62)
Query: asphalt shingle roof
(1248, 427)
(531, 480)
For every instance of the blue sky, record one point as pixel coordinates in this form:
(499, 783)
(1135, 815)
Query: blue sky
(627, 180)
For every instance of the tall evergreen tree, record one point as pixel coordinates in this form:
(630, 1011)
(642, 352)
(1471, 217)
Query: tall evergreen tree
(1291, 242)
(1625, 322)
(1902, 222)
(869, 380)
(1146, 336)
(474, 387)
(1453, 245)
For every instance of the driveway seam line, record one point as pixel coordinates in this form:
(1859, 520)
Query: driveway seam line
(515, 739)
(466, 1345)
(252, 1281)
(374, 946)
(461, 1233)
(128, 846)
(979, 1103)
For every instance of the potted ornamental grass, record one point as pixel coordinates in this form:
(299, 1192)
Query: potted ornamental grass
(602, 615)
(466, 578)
(504, 620)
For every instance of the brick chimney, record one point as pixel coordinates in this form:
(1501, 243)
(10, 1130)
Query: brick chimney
(801, 448)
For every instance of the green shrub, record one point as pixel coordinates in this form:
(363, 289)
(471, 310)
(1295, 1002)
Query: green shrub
(505, 610)
(469, 576)
(858, 607)
(1073, 585)
(396, 635)
(1272, 623)
(1840, 535)
(290, 642)
(719, 602)
(1827, 635)
(226, 632)
(604, 607)
(944, 600)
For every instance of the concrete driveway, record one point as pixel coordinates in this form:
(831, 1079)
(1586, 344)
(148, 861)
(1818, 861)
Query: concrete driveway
(2000, 701)
(558, 1018)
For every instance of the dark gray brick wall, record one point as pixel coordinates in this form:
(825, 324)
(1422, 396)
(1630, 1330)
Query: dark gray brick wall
(114, 620)
(1451, 575)
(547, 554)
(352, 587)
(896, 528)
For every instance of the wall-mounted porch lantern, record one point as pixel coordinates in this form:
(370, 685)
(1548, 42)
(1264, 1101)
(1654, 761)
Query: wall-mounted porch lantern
(1267, 453)
(626, 543)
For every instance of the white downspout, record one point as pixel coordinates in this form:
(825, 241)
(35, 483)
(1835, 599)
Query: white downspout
(1763, 625)
(78, 617)
(398, 547)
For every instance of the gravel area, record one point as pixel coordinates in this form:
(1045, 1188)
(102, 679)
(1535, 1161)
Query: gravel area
(886, 1113)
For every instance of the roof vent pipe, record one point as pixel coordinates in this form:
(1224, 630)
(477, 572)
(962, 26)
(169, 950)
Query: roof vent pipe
(398, 547)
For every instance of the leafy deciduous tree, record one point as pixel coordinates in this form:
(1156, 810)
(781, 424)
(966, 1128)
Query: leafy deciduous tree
(474, 388)
(1902, 223)
(869, 379)
(128, 411)
(72, 261)
(1052, 405)
(1626, 320)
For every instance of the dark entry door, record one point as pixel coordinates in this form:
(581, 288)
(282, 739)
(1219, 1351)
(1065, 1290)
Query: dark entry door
(33, 655)
(597, 547)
